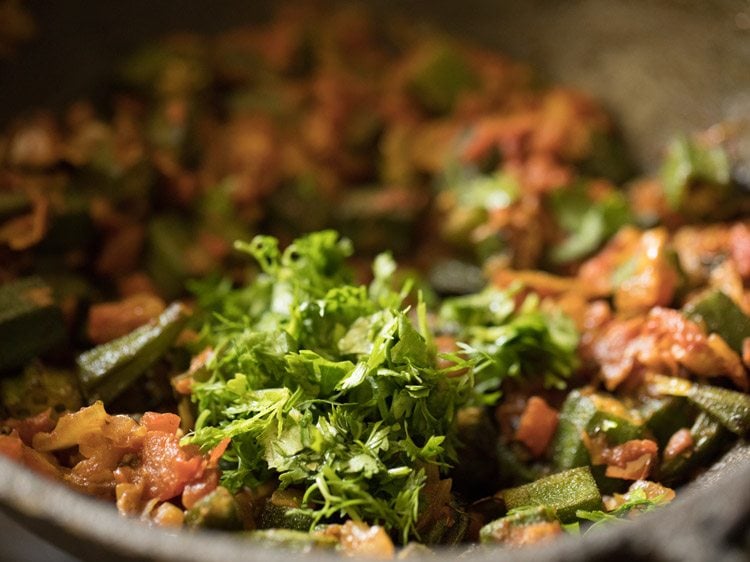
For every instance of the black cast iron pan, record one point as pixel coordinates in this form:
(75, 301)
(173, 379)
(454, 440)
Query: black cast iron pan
(662, 66)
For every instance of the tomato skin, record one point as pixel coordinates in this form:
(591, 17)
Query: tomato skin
(167, 423)
(537, 425)
(195, 491)
(166, 467)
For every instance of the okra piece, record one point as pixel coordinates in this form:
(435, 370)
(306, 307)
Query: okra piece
(729, 407)
(448, 529)
(664, 416)
(30, 321)
(568, 449)
(217, 510)
(294, 540)
(282, 511)
(720, 315)
(709, 437)
(497, 531)
(478, 469)
(593, 414)
(606, 484)
(616, 420)
(566, 492)
(511, 468)
(108, 369)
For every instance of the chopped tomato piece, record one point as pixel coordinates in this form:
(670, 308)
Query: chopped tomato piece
(537, 425)
(111, 320)
(632, 460)
(166, 467)
(168, 423)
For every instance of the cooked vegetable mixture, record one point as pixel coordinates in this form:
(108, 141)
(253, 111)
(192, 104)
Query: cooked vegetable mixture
(342, 283)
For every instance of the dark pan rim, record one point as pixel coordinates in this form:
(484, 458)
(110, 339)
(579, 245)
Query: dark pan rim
(707, 516)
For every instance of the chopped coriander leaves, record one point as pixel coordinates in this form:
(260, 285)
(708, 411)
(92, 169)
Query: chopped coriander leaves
(636, 501)
(687, 161)
(504, 340)
(588, 222)
(334, 389)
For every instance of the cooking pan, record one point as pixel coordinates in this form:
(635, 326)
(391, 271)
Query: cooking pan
(661, 66)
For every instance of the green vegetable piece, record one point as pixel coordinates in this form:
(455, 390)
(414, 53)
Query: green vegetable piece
(566, 492)
(478, 470)
(38, 389)
(687, 162)
(709, 438)
(510, 341)
(439, 77)
(514, 470)
(637, 501)
(617, 429)
(282, 511)
(217, 510)
(588, 223)
(593, 414)
(720, 315)
(30, 322)
(666, 415)
(455, 530)
(606, 484)
(294, 540)
(449, 528)
(108, 369)
(729, 407)
(327, 385)
(489, 192)
(496, 530)
(568, 449)
(169, 238)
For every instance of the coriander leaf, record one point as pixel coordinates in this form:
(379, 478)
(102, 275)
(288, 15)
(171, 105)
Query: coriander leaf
(636, 502)
(686, 162)
(325, 385)
(588, 222)
(507, 341)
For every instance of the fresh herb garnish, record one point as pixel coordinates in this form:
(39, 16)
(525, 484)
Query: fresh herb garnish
(505, 340)
(588, 223)
(637, 502)
(334, 388)
(687, 161)
(326, 385)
